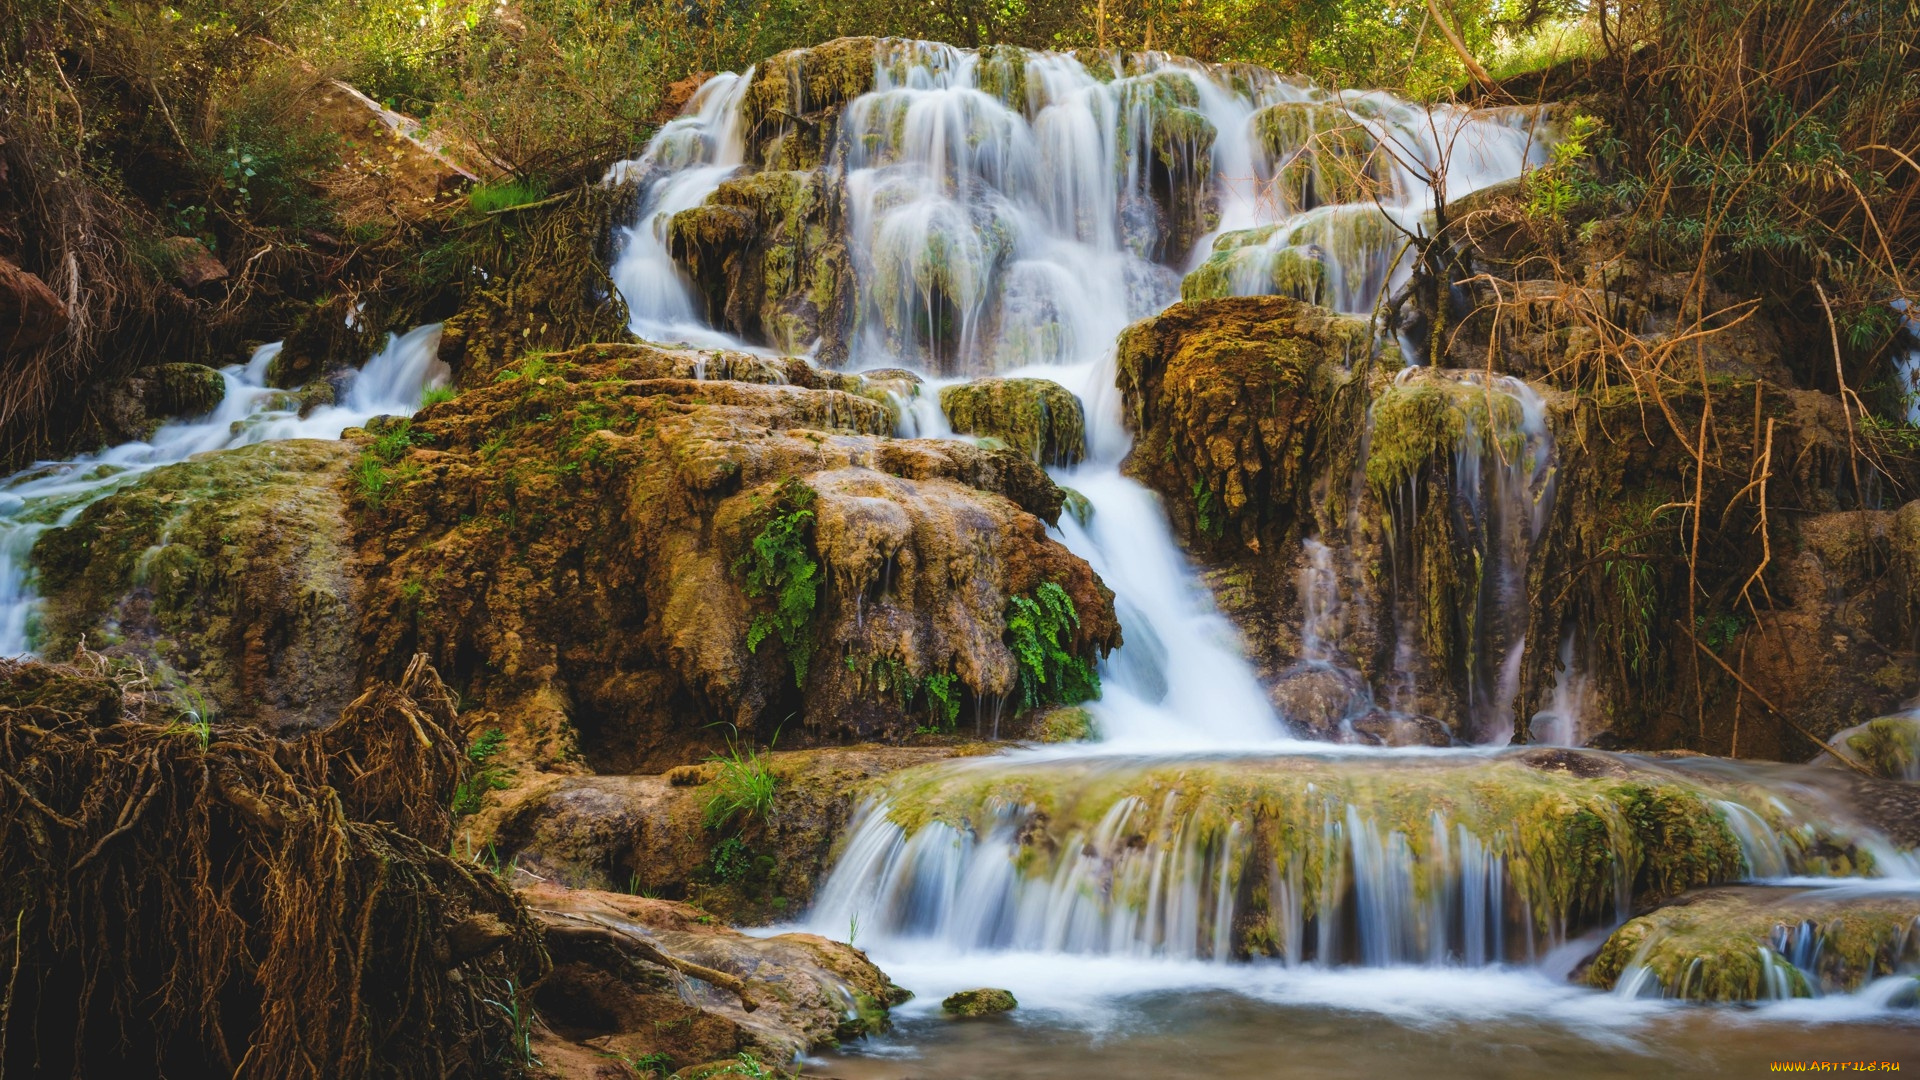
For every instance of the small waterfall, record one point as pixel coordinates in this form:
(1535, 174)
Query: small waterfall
(1326, 861)
(687, 159)
(1559, 724)
(52, 494)
(1492, 441)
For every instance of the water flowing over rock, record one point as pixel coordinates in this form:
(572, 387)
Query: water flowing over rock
(1314, 859)
(1755, 944)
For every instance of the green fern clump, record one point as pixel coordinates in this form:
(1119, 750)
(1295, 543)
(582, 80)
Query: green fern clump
(779, 564)
(1040, 631)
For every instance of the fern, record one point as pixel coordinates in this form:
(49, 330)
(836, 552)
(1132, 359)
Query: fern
(1040, 631)
(779, 564)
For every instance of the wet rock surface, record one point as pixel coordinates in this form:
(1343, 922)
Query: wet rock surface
(233, 573)
(1755, 943)
(664, 982)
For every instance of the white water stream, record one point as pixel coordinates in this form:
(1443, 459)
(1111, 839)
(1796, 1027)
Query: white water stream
(52, 494)
(1019, 237)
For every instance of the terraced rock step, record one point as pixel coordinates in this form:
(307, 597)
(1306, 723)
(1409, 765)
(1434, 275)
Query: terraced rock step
(1758, 943)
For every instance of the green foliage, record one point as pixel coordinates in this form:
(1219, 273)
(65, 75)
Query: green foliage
(1040, 631)
(492, 198)
(779, 564)
(484, 776)
(743, 790)
(196, 713)
(1207, 518)
(658, 1064)
(1562, 184)
(438, 395)
(380, 469)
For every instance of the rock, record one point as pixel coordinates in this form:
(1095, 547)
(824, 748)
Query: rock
(505, 506)
(649, 833)
(1316, 700)
(1172, 152)
(766, 253)
(1319, 154)
(1235, 405)
(1038, 417)
(30, 314)
(1889, 747)
(232, 572)
(637, 977)
(967, 1004)
(1755, 943)
(188, 262)
(792, 107)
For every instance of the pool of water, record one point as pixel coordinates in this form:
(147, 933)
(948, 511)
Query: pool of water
(1117, 1020)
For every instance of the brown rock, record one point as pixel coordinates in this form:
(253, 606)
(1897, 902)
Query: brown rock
(189, 262)
(30, 314)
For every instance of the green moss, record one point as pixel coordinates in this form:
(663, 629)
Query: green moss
(968, 1004)
(1889, 746)
(1415, 420)
(1037, 417)
(1723, 945)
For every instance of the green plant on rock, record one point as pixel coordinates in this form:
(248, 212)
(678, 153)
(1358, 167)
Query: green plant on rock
(658, 1064)
(779, 564)
(1040, 631)
(471, 792)
(1206, 516)
(1560, 186)
(743, 786)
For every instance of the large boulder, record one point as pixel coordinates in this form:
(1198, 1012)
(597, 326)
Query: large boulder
(607, 536)
(232, 572)
(658, 980)
(1037, 417)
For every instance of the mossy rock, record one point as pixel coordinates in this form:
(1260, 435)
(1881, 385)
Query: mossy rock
(231, 572)
(1065, 723)
(1889, 747)
(1257, 270)
(1320, 154)
(792, 107)
(968, 1004)
(183, 389)
(1038, 417)
(1236, 405)
(1740, 944)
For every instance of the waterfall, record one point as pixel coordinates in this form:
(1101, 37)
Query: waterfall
(51, 494)
(1010, 215)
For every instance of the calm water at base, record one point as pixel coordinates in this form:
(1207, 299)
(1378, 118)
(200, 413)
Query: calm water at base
(1408, 1023)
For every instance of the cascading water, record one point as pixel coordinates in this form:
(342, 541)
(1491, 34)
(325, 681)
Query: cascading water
(52, 494)
(1014, 226)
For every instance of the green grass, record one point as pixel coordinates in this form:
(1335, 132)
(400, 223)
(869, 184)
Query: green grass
(743, 790)
(505, 195)
(438, 395)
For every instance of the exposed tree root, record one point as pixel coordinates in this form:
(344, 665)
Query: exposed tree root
(187, 901)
